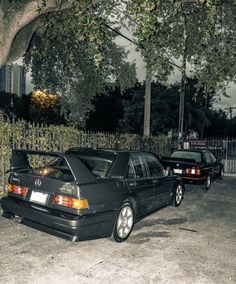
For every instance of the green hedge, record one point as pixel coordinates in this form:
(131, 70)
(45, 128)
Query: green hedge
(59, 138)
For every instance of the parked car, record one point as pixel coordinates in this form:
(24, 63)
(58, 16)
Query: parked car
(195, 166)
(86, 193)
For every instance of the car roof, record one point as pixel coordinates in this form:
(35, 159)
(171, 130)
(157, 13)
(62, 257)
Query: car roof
(193, 150)
(103, 153)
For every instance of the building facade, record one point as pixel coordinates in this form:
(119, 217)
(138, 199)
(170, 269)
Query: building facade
(6, 78)
(13, 79)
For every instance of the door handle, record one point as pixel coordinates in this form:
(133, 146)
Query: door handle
(155, 181)
(133, 184)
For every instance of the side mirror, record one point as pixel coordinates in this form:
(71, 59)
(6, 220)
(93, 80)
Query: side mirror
(167, 171)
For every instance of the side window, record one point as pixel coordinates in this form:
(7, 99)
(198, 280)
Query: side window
(213, 158)
(138, 167)
(131, 172)
(208, 158)
(154, 166)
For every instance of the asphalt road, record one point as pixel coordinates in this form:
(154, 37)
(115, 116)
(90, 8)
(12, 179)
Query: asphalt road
(195, 243)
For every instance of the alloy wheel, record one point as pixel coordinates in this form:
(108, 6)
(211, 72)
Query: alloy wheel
(125, 222)
(208, 182)
(179, 194)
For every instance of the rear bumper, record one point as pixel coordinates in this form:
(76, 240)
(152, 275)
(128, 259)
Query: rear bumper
(55, 222)
(194, 180)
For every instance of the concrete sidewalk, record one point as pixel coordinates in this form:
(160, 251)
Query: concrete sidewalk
(194, 243)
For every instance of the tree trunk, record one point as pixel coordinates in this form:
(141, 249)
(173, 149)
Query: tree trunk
(183, 82)
(19, 20)
(147, 103)
(202, 130)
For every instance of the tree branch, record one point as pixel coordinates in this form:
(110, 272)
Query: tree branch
(18, 20)
(22, 39)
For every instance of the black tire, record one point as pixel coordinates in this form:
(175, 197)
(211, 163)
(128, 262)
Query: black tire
(124, 223)
(221, 174)
(178, 195)
(207, 183)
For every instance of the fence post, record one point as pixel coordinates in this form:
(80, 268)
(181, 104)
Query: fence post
(226, 156)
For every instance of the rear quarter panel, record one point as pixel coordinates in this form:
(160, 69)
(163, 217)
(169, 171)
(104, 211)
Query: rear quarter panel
(104, 195)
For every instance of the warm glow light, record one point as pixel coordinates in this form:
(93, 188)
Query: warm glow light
(44, 99)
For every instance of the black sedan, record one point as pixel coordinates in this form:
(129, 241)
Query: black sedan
(195, 166)
(86, 193)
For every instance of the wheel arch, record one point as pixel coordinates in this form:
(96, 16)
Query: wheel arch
(133, 200)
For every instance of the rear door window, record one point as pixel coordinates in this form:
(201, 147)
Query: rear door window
(213, 158)
(208, 158)
(131, 172)
(136, 167)
(154, 166)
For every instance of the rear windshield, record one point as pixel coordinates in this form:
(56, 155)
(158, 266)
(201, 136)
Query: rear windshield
(97, 165)
(56, 169)
(188, 155)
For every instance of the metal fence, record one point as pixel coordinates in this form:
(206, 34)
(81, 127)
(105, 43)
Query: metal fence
(20, 134)
(24, 135)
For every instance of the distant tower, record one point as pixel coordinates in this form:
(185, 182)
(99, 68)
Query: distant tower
(18, 80)
(6, 78)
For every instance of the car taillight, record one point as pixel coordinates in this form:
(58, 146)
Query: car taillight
(17, 189)
(193, 171)
(71, 202)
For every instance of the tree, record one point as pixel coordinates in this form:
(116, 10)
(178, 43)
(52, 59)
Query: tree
(9, 104)
(201, 34)
(198, 105)
(163, 112)
(76, 66)
(133, 106)
(45, 108)
(34, 107)
(200, 114)
(19, 20)
(220, 124)
(108, 110)
(233, 127)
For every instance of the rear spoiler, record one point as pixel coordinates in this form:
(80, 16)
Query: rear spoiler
(20, 162)
(19, 158)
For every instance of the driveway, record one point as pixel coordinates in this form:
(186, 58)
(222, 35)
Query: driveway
(195, 243)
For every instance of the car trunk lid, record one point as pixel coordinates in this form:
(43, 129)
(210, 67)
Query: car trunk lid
(179, 165)
(55, 185)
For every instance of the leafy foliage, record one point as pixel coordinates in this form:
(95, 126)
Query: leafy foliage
(45, 108)
(77, 59)
(164, 101)
(205, 30)
(9, 103)
(108, 110)
(199, 112)
(35, 107)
